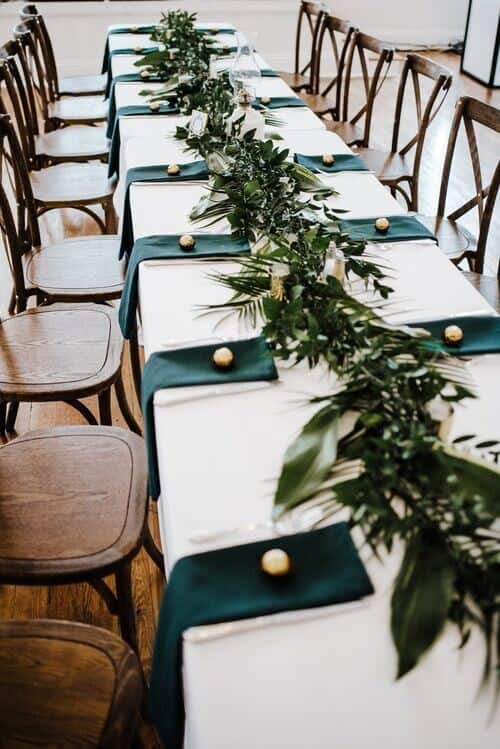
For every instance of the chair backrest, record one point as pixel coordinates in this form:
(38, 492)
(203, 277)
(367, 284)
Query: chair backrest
(28, 13)
(334, 41)
(309, 18)
(362, 50)
(25, 33)
(17, 96)
(469, 112)
(18, 218)
(416, 68)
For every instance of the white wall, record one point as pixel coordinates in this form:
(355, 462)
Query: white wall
(78, 28)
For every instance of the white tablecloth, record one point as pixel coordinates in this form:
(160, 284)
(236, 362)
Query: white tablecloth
(314, 679)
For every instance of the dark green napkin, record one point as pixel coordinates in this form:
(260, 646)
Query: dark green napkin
(130, 51)
(269, 73)
(401, 228)
(123, 30)
(344, 162)
(133, 109)
(481, 334)
(138, 108)
(166, 247)
(277, 102)
(218, 30)
(194, 170)
(193, 366)
(129, 78)
(228, 585)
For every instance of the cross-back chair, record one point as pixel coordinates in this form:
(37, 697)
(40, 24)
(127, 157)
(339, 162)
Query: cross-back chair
(40, 360)
(394, 168)
(334, 39)
(79, 85)
(455, 240)
(309, 21)
(55, 112)
(361, 51)
(65, 185)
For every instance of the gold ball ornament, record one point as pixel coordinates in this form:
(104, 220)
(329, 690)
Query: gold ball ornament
(452, 335)
(187, 242)
(173, 170)
(382, 224)
(154, 106)
(276, 563)
(225, 48)
(145, 73)
(134, 29)
(137, 50)
(223, 358)
(328, 159)
(265, 100)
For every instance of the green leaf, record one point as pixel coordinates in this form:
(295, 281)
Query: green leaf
(307, 462)
(421, 599)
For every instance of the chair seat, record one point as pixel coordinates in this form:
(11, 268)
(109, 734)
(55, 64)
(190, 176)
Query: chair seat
(79, 109)
(488, 287)
(67, 184)
(82, 85)
(296, 81)
(64, 684)
(81, 269)
(318, 103)
(75, 142)
(387, 166)
(59, 352)
(79, 509)
(350, 134)
(454, 240)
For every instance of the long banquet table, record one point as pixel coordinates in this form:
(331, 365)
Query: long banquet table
(316, 678)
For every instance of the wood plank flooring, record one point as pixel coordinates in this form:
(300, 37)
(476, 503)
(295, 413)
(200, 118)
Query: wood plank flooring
(79, 602)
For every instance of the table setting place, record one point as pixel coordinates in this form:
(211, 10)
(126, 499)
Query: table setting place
(321, 416)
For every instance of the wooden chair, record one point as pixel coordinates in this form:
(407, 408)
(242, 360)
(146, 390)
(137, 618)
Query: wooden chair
(73, 507)
(67, 685)
(86, 110)
(66, 184)
(64, 352)
(393, 168)
(488, 287)
(78, 85)
(455, 240)
(339, 34)
(310, 17)
(362, 49)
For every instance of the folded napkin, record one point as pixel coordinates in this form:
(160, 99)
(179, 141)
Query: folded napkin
(269, 73)
(218, 30)
(192, 171)
(131, 111)
(344, 162)
(131, 51)
(123, 30)
(481, 335)
(228, 585)
(402, 228)
(277, 102)
(166, 247)
(194, 366)
(139, 108)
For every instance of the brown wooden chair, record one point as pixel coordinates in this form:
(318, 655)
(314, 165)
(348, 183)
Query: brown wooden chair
(393, 168)
(84, 269)
(455, 240)
(339, 34)
(67, 685)
(361, 51)
(67, 184)
(309, 17)
(488, 286)
(73, 508)
(86, 110)
(78, 85)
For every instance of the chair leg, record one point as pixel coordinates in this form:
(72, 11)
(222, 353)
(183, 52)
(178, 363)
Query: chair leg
(152, 549)
(104, 399)
(83, 410)
(124, 406)
(135, 361)
(126, 609)
(110, 217)
(3, 413)
(12, 412)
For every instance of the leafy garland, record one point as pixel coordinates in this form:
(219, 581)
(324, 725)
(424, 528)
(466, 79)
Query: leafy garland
(400, 482)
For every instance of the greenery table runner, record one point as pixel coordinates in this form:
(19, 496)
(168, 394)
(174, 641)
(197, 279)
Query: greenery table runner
(195, 170)
(481, 335)
(229, 585)
(194, 366)
(161, 247)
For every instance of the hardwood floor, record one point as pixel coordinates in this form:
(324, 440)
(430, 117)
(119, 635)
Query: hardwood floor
(80, 602)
